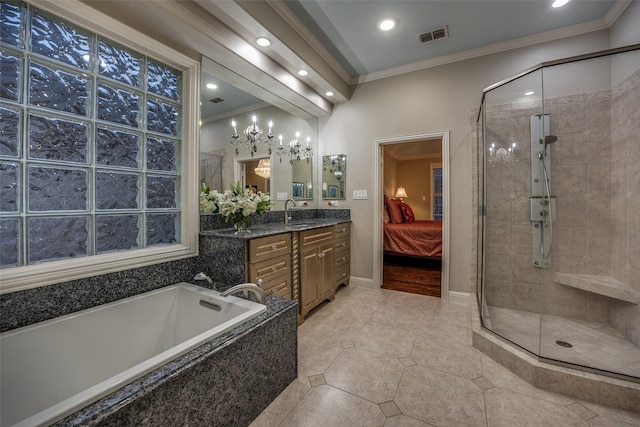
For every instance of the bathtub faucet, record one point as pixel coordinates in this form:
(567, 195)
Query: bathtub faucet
(247, 288)
(202, 276)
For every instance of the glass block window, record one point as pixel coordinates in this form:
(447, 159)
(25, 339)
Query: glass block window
(90, 143)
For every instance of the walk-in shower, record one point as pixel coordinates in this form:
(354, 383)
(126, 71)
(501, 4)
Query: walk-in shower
(559, 212)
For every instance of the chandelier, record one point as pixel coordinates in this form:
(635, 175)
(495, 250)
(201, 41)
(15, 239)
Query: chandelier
(295, 151)
(253, 136)
(336, 165)
(264, 168)
(501, 154)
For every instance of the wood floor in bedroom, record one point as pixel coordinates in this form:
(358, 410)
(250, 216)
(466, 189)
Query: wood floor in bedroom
(414, 275)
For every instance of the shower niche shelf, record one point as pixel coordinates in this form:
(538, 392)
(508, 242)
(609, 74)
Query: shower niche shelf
(601, 285)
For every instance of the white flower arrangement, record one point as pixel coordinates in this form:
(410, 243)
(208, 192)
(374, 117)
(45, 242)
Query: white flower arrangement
(236, 204)
(209, 199)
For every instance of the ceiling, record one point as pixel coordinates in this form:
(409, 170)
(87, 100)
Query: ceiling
(348, 28)
(344, 34)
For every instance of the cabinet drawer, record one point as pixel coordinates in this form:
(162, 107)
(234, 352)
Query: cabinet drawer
(342, 230)
(316, 237)
(342, 258)
(270, 268)
(342, 245)
(342, 274)
(280, 287)
(269, 247)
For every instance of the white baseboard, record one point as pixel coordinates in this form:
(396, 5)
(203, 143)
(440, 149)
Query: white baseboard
(459, 297)
(362, 282)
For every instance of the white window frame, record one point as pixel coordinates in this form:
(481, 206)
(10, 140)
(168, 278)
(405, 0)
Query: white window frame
(50, 272)
(433, 189)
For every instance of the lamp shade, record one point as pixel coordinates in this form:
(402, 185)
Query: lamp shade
(401, 192)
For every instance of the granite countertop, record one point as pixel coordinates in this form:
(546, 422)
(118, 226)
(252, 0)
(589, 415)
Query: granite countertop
(108, 405)
(269, 229)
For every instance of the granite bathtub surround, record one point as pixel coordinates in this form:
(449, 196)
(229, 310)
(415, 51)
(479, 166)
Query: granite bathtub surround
(22, 308)
(227, 381)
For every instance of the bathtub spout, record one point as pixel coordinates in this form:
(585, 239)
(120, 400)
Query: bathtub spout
(247, 288)
(202, 276)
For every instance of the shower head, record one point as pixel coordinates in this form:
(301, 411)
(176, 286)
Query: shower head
(549, 139)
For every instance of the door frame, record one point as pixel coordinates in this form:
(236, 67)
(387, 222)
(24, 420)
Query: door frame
(378, 202)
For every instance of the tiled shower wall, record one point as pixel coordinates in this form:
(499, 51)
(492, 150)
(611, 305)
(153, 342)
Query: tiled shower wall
(595, 170)
(581, 181)
(625, 206)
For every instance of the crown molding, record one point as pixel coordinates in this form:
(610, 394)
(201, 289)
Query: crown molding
(616, 11)
(547, 36)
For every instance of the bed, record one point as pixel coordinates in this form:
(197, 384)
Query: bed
(406, 236)
(418, 238)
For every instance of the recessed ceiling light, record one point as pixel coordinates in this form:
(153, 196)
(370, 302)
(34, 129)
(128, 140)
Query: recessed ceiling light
(329, 93)
(559, 3)
(263, 41)
(303, 73)
(386, 24)
(212, 86)
(529, 92)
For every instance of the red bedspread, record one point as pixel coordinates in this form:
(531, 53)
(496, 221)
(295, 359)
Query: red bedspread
(419, 238)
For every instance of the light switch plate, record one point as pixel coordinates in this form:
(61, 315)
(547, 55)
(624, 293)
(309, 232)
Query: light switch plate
(281, 196)
(360, 195)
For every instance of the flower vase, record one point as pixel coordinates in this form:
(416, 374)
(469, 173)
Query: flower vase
(242, 224)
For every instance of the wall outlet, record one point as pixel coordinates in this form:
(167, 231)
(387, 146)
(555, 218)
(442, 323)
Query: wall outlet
(359, 194)
(281, 196)
(302, 204)
(332, 203)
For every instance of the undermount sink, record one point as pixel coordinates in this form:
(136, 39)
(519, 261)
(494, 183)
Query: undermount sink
(301, 224)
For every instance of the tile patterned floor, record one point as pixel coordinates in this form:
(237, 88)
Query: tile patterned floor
(594, 344)
(387, 358)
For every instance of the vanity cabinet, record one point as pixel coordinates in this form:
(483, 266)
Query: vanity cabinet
(269, 260)
(317, 267)
(342, 245)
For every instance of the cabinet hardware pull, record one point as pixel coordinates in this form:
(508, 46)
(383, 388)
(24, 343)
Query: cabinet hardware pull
(274, 268)
(274, 247)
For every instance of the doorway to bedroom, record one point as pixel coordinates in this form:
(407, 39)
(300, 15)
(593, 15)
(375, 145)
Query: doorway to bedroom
(412, 183)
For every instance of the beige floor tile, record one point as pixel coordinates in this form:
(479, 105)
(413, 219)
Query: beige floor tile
(404, 421)
(325, 406)
(338, 325)
(439, 398)
(508, 409)
(458, 359)
(316, 353)
(412, 300)
(390, 409)
(366, 374)
(392, 314)
(389, 340)
(607, 416)
(282, 405)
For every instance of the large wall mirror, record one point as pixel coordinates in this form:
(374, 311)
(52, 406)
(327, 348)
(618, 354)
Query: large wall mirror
(334, 176)
(232, 107)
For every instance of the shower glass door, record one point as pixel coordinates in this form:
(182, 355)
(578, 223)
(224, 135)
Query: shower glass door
(511, 284)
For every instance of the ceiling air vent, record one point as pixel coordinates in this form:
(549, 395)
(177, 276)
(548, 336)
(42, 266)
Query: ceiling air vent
(216, 100)
(440, 33)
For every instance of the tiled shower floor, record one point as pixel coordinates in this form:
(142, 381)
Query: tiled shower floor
(594, 344)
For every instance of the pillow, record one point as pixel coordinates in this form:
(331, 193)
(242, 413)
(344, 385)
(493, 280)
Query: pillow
(395, 212)
(407, 213)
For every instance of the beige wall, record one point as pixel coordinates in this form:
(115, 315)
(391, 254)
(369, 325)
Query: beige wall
(430, 100)
(415, 177)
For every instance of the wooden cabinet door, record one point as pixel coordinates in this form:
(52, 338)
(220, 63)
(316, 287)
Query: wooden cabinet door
(309, 277)
(326, 284)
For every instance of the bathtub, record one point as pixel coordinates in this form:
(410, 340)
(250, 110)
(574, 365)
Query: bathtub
(52, 369)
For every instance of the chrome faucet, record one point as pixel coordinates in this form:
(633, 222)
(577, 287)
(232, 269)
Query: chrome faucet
(247, 288)
(287, 218)
(202, 276)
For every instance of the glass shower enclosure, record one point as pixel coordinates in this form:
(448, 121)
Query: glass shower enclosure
(559, 211)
